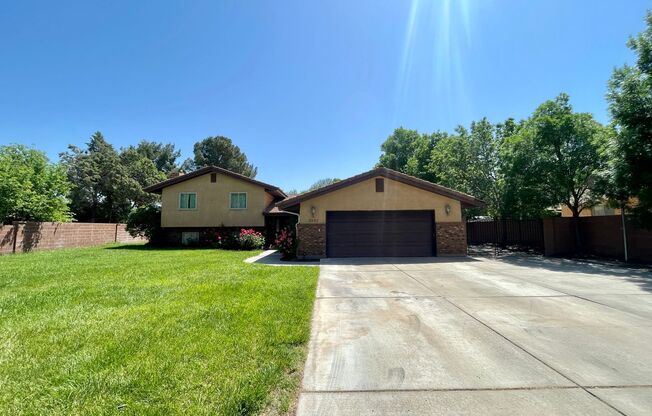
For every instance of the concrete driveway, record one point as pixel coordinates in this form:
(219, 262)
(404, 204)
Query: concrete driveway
(517, 336)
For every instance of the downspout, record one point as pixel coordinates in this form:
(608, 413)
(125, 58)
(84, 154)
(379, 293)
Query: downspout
(624, 223)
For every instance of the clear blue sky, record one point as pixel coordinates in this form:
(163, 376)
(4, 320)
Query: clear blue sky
(307, 89)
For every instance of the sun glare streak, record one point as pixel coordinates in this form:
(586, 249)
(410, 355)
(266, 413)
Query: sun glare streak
(436, 35)
(408, 51)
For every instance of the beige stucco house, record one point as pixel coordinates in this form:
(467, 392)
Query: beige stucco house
(378, 213)
(198, 204)
(381, 213)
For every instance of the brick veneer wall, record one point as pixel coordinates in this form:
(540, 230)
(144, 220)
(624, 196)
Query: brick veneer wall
(451, 239)
(207, 235)
(30, 236)
(312, 240)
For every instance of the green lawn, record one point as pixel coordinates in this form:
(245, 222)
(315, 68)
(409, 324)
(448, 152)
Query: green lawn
(133, 330)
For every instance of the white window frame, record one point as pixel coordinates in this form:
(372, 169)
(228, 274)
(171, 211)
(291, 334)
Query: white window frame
(238, 193)
(188, 209)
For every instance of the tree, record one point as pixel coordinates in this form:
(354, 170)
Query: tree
(108, 185)
(522, 196)
(469, 162)
(31, 188)
(568, 153)
(220, 151)
(141, 172)
(560, 151)
(321, 183)
(409, 151)
(164, 156)
(145, 222)
(630, 104)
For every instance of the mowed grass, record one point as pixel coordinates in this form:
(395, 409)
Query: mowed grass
(134, 330)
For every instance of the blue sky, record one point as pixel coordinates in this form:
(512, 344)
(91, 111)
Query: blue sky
(307, 89)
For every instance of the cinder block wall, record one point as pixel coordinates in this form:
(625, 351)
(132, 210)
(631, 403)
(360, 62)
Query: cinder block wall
(23, 237)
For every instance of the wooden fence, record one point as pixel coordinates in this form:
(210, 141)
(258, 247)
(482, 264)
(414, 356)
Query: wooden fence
(600, 236)
(521, 233)
(21, 237)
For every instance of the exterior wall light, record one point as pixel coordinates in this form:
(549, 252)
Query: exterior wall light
(447, 208)
(313, 211)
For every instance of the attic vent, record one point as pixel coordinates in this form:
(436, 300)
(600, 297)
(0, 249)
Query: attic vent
(380, 185)
(213, 177)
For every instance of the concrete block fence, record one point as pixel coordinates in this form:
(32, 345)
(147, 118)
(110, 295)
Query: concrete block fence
(21, 237)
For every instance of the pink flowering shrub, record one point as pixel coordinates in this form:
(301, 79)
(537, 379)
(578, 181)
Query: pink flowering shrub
(286, 243)
(250, 240)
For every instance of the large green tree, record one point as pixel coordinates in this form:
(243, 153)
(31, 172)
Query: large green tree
(567, 153)
(630, 104)
(163, 155)
(221, 152)
(469, 162)
(556, 159)
(31, 188)
(409, 151)
(108, 185)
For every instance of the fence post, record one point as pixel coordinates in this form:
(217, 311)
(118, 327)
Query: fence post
(115, 236)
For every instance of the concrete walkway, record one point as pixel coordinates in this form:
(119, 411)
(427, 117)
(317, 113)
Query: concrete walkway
(273, 258)
(522, 336)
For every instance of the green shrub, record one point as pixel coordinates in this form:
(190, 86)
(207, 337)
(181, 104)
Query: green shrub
(146, 222)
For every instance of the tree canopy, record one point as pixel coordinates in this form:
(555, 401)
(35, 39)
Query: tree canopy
(107, 185)
(221, 152)
(519, 169)
(562, 152)
(163, 155)
(31, 188)
(321, 183)
(630, 104)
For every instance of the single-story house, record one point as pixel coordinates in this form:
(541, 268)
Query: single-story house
(381, 212)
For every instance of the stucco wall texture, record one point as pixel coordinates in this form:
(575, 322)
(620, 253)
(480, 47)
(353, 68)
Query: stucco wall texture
(362, 196)
(213, 203)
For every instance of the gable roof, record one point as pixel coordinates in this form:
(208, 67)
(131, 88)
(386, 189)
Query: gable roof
(465, 199)
(158, 187)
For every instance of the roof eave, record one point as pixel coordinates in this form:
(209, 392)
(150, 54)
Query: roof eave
(465, 199)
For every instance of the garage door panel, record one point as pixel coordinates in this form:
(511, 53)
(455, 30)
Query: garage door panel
(379, 233)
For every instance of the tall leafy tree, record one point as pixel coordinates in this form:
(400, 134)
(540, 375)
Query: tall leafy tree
(141, 171)
(557, 158)
(469, 161)
(163, 155)
(630, 104)
(220, 151)
(31, 188)
(568, 153)
(522, 197)
(107, 185)
(409, 151)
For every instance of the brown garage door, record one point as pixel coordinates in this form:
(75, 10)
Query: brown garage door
(379, 233)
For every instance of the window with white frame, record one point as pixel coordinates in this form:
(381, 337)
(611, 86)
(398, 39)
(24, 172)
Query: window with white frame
(188, 200)
(238, 200)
